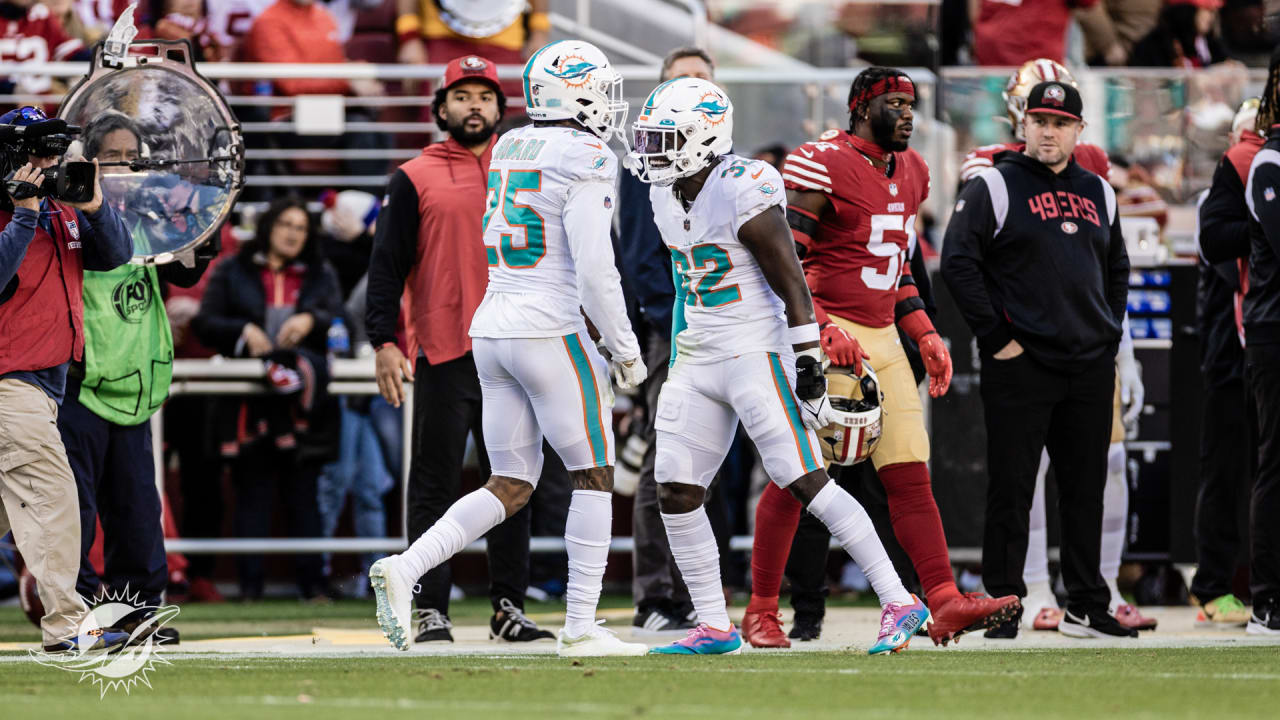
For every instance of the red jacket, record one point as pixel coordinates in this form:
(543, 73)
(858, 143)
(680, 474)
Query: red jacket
(429, 244)
(42, 324)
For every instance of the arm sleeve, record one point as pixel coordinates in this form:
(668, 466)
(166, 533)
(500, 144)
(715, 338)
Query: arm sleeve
(1224, 217)
(587, 220)
(213, 326)
(395, 245)
(14, 239)
(111, 246)
(1264, 179)
(972, 225)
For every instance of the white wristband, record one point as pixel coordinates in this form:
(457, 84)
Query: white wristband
(801, 334)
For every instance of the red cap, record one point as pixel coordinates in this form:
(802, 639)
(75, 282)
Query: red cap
(471, 67)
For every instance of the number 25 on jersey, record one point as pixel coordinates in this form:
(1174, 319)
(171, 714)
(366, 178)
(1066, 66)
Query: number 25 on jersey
(503, 191)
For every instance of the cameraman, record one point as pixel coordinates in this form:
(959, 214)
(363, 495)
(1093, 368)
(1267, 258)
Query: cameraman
(112, 393)
(45, 246)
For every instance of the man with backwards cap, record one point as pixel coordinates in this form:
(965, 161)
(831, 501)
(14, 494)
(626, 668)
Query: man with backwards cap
(1036, 263)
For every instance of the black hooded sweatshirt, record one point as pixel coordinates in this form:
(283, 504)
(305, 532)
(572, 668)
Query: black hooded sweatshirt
(1038, 257)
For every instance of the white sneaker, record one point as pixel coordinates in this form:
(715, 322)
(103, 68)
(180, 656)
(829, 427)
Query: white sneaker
(394, 600)
(597, 642)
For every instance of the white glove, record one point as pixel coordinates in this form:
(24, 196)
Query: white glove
(816, 414)
(629, 373)
(1132, 392)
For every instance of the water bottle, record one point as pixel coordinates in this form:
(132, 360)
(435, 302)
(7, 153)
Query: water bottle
(339, 339)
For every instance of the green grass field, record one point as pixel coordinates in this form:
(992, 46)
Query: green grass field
(1181, 682)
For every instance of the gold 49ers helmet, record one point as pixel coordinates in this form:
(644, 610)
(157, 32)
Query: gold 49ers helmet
(1032, 73)
(854, 434)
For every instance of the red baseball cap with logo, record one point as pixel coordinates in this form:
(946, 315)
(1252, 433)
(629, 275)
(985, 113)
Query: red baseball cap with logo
(471, 67)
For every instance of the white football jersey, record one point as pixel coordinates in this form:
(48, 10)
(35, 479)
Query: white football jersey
(546, 233)
(724, 305)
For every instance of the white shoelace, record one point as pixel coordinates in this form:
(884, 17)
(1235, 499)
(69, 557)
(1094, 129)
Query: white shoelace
(431, 619)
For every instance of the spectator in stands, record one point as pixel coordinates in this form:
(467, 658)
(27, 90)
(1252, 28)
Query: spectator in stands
(302, 31)
(1245, 32)
(1112, 27)
(30, 25)
(1184, 37)
(228, 22)
(1011, 32)
(429, 236)
(427, 34)
(362, 471)
(275, 301)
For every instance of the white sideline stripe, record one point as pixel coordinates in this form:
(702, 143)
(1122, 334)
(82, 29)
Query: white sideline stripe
(806, 173)
(807, 161)
(804, 183)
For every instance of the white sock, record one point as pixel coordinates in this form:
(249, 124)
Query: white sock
(473, 515)
(851, 526)
(586, 538)
(1035, 571)
(694, 548)
(1115, 511)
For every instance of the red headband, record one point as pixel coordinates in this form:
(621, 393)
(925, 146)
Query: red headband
(897, 83)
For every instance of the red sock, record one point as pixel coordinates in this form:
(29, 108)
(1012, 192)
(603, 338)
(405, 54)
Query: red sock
(918, 528)
(777, 517)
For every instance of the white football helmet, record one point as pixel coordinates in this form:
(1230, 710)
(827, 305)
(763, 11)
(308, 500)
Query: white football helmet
(479, 18)
(856, 407)
(1032, 73)
(685, 123)
(573, 80)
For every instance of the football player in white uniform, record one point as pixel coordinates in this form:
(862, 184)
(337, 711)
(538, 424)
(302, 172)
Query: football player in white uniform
(745, 347)
(546, 232)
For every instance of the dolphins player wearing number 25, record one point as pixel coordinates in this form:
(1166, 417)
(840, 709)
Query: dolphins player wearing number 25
(744, 348)
(546, 234)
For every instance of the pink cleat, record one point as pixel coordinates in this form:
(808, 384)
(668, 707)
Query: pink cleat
(898, 623)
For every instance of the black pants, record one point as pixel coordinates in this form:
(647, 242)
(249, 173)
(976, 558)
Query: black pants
(1262, 372)
(189, 431)
(1226, 471)
(1028, 406)
(116, 483)
(260, 471)
(810, 550)
(446, 409)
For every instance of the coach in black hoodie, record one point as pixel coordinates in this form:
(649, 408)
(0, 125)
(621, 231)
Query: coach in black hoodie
(1035, 261)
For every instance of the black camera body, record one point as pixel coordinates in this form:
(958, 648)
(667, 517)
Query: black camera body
(70, 181)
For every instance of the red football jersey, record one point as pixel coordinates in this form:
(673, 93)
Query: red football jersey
(1090, 157)
(38, 37)
(100, 15)
(865, 235)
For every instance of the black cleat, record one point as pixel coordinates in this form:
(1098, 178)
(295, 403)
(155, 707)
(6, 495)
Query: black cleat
(806, 627)
(1265, 619)
(510, 624)
(656, 621)
(433, 626)
(1096, 623)
(1007, 630)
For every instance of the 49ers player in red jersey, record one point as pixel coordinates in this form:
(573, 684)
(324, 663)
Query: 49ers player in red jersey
(1032, 73)
(852, 199)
